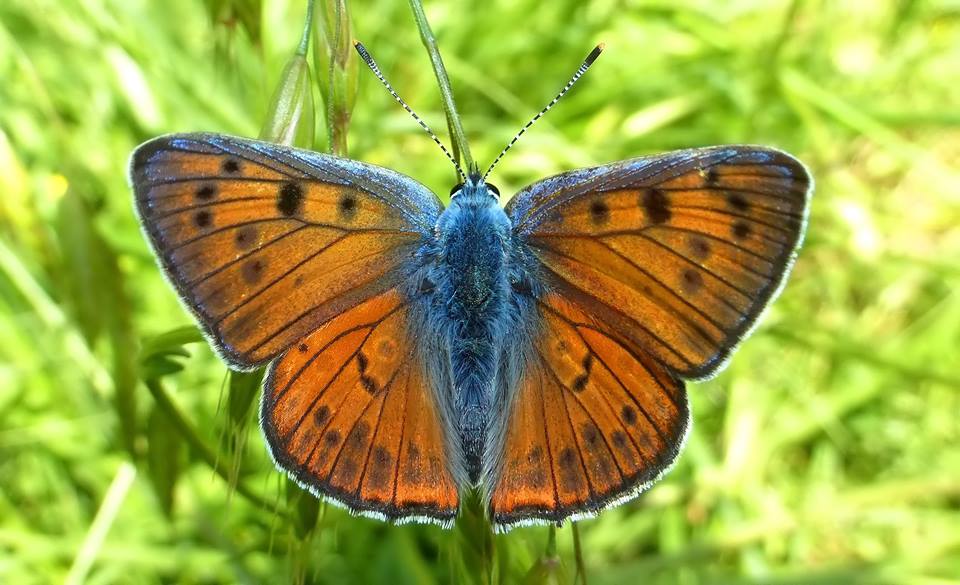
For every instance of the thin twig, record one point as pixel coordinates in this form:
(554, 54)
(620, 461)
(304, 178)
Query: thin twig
(106, 514)
(305, 39)
(581, 575)
(551, 542)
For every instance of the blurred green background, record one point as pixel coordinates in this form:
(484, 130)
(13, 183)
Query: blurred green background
(828, 452)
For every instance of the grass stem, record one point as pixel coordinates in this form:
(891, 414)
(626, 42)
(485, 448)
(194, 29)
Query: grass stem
(461, 149)
(197, 444)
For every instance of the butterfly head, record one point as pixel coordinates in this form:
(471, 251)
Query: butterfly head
(475, 187)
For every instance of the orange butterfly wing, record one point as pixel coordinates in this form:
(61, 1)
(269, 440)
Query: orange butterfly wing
(280, 251)
(655, 269)
(265, 243)
(348, 412)
(677, 253)
(591, 422)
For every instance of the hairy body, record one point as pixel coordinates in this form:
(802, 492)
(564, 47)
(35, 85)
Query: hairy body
(473, 280)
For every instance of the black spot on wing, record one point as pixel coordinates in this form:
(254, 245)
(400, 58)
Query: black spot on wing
(379, 468)
(412, 468)
(738, 202)
(290, 199)
(692, 281)
(590, 435)
(535, 455)
(571, 476)
(619, 439)
(350, 460)
(741, 230)
(359, 433)
(602, 465)
(347, 207)
(206, 192)
(231, 165)
(246, 237)
(581, 381)
(368, 383)
(203, 218)
(331, 437)
(252, 270)
(699, 248)
(599, 212)
(321, 416)
(656, 205)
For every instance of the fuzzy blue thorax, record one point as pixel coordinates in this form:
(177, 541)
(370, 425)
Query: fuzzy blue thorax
(472, 286)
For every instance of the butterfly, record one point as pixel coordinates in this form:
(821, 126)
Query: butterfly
(536, 352)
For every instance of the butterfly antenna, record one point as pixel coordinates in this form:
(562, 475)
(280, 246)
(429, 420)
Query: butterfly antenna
(583, 69)
(376, 71)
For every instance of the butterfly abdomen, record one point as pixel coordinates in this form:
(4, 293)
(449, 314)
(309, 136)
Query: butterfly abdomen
(472, 291)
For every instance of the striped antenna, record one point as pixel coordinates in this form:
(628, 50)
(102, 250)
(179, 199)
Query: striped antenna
(376, 71)
(583, 69)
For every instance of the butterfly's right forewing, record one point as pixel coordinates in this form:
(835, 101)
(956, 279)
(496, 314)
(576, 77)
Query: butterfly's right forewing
(678, 253)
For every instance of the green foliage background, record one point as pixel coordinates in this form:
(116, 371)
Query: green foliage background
(828, 452)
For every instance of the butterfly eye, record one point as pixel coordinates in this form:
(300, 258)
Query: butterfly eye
(493, 189)
(427, 286)
(456, 188)
(521, 285)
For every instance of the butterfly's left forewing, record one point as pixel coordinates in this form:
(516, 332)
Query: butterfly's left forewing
(265, 243)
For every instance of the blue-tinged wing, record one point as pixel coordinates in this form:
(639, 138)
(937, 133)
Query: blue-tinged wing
(676, 254)
(266, 243)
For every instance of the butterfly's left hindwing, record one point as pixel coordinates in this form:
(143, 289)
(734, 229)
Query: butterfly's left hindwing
(351, 414)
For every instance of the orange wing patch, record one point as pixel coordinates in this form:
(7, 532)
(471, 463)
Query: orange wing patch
(262, 251)
(350, 414)
(678, 258)
(591, 423)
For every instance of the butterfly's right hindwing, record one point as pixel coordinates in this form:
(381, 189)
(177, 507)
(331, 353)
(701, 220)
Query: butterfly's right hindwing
(588, 423)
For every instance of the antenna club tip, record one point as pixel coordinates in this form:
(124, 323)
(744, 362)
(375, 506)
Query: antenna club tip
(594, 54)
